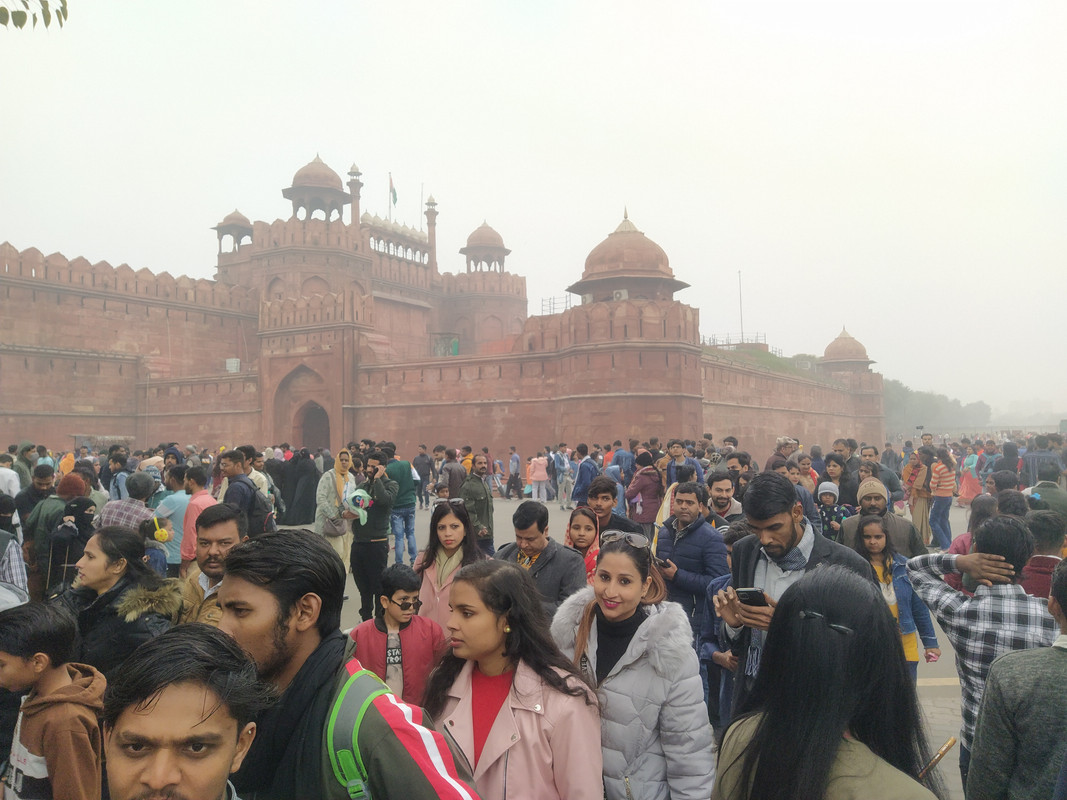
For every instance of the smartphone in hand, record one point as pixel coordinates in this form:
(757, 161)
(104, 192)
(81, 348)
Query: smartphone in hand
(751, 596)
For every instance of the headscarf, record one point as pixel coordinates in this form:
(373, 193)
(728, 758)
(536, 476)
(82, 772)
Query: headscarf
(82, 509)
(340, 477)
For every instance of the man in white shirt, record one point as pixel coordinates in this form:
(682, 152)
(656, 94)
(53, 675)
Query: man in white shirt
(9, 479)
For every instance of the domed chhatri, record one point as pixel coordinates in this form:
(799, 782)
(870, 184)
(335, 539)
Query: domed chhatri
(845, 348)
(485, 236)
(627, 265)
(316, 173)
(235, 217)
(485, 250)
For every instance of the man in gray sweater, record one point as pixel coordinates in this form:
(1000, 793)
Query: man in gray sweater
(1021, 736)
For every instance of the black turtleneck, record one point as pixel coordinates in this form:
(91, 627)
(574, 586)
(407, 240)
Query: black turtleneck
(612, 639)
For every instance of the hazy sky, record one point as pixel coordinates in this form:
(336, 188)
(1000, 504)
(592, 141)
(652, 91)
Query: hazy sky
(898, 168)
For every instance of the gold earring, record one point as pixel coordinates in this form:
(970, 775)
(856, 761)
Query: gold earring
(507, 629)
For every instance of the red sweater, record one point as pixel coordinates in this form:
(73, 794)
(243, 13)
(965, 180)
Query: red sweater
(421, 642)
(1037, 575)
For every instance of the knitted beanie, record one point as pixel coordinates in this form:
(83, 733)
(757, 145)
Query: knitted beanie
(828, 487)
(872, 486)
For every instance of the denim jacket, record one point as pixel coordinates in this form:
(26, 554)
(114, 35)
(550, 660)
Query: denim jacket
(912, 613)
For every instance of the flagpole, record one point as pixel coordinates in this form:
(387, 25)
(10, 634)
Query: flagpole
(389, 199)
(422, 198)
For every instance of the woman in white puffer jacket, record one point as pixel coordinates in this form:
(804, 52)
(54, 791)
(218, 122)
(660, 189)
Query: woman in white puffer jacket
(637, 650)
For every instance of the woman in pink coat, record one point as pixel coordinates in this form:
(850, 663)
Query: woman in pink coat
(539, 477)
(452, 545)
(523, 716)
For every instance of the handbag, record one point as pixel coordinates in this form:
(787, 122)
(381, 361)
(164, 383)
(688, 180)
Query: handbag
(333, 527)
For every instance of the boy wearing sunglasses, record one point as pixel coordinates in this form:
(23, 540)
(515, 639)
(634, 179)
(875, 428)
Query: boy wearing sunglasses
(399, 646)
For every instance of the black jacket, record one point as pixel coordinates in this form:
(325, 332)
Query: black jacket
(745, 554)
(114, 624)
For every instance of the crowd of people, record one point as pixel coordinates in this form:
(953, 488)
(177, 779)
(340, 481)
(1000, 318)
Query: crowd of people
(703, 627)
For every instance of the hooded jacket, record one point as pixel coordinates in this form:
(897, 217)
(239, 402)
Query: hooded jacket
(655, 734)
(23, 466)
(56, 752)
(112, 625)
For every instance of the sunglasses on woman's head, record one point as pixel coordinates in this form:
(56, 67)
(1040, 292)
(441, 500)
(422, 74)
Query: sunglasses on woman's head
(453, 501)
(809, 614)
(632, 539)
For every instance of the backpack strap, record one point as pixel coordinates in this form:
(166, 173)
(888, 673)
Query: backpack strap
(361, 689)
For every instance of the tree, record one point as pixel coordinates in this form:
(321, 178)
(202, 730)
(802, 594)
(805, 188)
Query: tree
(19, 12)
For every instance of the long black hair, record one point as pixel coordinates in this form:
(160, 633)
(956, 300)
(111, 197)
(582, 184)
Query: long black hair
(508, 591)
(833, 664)
(122, 543)
(471, 551)
(888, 553)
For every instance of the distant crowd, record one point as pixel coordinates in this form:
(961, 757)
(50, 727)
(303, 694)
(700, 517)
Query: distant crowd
(710, 625)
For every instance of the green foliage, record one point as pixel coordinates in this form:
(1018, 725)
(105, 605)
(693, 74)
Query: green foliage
(905, 409)
(32, 11)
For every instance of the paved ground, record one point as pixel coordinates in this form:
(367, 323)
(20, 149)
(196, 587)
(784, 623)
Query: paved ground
(939, 691)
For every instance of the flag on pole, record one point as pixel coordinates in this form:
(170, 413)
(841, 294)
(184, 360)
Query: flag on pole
(392, 189)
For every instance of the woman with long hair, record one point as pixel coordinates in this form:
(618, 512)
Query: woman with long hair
(645, 493)
(942, 488)
(583, 534)
(519, 710)
(332, 519)
(908, 609)
(637, 649)
(118, 600)
(833, 712)
(836, 472)
(970, 485)
(452, 546)
(916, 477)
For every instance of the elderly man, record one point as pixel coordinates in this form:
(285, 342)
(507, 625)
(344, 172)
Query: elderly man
(874, 499)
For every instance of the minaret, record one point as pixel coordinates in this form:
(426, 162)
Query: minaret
(354, 185)
(431, 230)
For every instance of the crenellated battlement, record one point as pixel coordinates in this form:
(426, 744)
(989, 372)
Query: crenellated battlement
(504, 283)
(300, 233)
(650, 321)
(329, 308)
(56, 272)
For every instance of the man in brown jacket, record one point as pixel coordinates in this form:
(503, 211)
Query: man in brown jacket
(218, 529)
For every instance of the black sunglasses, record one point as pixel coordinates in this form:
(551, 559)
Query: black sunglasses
(452, 501)
(809, 614)
(407, 605)
(632, 539)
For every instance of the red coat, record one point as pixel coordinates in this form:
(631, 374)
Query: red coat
(421, 642)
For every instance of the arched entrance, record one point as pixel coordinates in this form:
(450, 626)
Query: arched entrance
(299, 416)
(313, 425)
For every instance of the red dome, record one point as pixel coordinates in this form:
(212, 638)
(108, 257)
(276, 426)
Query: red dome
(485, 236)
(235, 217)
(316, 173)
(627, 251)
(845, 348)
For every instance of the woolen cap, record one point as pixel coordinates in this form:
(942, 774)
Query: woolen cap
(872, 486)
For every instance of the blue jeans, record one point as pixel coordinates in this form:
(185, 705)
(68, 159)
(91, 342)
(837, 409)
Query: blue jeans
(939, 521)
(422, 495)
(403, 522)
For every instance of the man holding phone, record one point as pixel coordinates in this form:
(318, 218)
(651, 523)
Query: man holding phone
(370, 543)
(782, 548)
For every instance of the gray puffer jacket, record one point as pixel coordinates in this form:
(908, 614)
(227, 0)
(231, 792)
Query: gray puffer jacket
(654, 725)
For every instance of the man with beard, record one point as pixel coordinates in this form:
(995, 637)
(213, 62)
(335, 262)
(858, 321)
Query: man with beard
(874, 499)
(782, 548)
(721, 489)
(478, 499)
(281, 598)
(219, 528)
